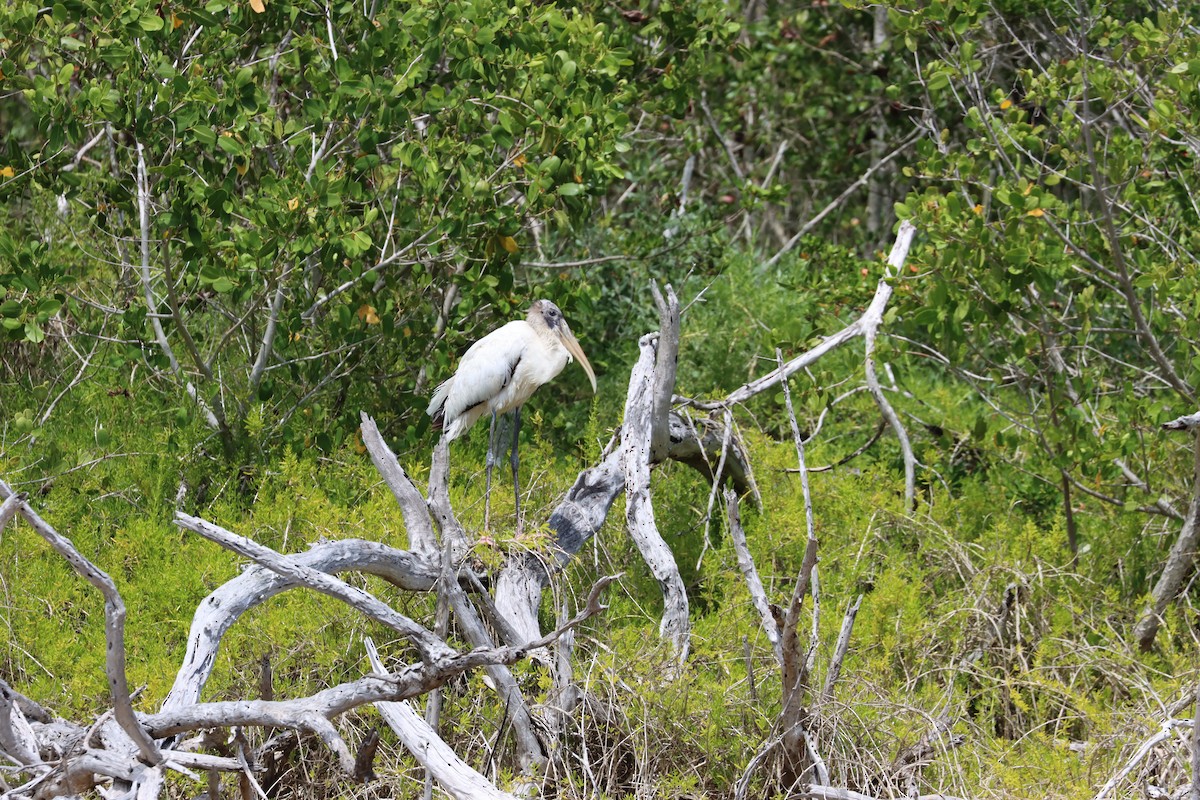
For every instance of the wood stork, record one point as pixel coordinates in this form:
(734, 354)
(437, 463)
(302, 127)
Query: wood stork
(499, 373)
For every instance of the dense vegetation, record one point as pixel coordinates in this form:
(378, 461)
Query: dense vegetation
(226, 230)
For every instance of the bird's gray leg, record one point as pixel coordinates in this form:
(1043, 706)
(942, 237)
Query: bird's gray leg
(515, 461)
(491, 462)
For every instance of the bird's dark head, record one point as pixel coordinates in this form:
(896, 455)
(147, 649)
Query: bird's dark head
(548, 313)
(545, 313)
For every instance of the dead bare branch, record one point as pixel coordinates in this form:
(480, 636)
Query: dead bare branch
(871, 319)
(758, 594)
(221, 609)
(432, 649)
(1164, 732)
(416, 514)
(639, 510)
(456, 776)
(874, 310)
(840, 649)
(439, 500)
(114, 628)
(16, 737)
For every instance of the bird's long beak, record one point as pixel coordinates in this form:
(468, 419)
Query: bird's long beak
(572, 345)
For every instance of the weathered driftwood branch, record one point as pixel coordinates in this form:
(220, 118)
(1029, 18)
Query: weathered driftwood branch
(17, 739)
(1182, 558)
(114, 628)
(313, 713)
(579, 515)
(871, 319)
(454, 775)
(639, 509)
(217, 613)
(1165, 731)
(421, 538)
(840, 649)
(436, 654)
(9, 508)
(31, 710)
(303, 713)
(432, 649)
(530, 752)
(758, 594)
(439, 501)
(441, 627)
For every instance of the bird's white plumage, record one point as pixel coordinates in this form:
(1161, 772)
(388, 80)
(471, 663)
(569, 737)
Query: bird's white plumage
(498, 373)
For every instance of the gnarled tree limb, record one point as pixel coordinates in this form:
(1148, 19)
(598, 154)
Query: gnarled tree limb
(217, 613)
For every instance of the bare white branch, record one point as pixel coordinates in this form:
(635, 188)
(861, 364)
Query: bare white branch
(639, 510)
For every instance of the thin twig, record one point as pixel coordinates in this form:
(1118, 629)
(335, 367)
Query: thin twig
(841, 198)
(758, 594)
(840, 649)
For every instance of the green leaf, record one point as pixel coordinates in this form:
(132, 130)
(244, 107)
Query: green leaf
(151, 23)
(570, 189)
(205, 135)
(223, 284)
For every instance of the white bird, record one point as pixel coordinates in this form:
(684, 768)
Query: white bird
(499, 373)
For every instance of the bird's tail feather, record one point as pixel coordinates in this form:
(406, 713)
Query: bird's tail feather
(437, 404)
